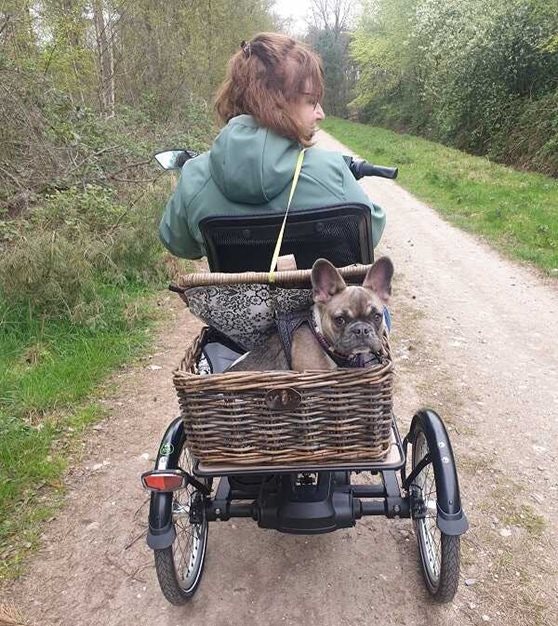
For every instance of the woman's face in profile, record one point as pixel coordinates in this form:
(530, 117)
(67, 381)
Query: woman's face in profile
(309, 110)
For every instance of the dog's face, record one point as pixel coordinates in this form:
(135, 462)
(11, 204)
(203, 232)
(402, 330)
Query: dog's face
(352, 317)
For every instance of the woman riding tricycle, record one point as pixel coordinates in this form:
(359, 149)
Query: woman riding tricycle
(286, 440)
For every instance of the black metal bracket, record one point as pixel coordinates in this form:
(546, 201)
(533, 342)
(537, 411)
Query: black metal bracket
(396, 506)
(199, 486)
(417, 470)
(222, 506)
(196, 509)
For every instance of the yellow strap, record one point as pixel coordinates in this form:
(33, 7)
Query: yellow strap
(282, 231)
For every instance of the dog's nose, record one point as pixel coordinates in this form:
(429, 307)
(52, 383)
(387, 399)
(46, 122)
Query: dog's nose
(360, 329)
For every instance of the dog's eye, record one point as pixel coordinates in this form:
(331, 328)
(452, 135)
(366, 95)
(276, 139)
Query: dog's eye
(339, 321)
(377, 317)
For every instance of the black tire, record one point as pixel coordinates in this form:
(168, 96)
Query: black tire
(180, 566)
(439, 553)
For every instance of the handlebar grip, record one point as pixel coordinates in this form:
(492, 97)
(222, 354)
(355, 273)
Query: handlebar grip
(367, 169)
(360, 168)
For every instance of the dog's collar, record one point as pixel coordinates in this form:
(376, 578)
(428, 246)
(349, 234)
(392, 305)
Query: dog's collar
(342, 360)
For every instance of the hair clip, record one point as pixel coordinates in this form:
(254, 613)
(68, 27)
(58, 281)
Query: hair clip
(246, 48)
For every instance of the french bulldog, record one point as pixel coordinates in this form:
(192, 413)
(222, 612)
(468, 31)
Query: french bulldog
(345, 321)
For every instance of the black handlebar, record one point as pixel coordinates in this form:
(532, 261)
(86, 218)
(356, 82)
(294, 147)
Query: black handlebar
(360, 168)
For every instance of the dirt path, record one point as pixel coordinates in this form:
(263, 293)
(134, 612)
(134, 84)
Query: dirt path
(475, 338)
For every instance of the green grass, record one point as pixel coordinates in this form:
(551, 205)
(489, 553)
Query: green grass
(515, 211)
(525, 517)
(49, 369)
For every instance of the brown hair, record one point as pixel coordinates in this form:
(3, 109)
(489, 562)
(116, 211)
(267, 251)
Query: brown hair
(265, 78)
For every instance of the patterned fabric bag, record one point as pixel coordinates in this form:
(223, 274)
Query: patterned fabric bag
(245, 312)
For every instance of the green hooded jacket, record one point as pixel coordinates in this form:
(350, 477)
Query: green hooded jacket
(249, 169)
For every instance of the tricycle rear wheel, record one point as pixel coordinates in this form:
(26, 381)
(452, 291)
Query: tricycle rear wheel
(179, 567)
(439, 552)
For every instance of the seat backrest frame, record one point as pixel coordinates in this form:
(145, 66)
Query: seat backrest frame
(341, 233)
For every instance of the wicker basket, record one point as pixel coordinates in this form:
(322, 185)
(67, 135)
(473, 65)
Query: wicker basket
(283, 417)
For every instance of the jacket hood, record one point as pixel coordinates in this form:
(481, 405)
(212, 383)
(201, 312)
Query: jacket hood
(251, 164)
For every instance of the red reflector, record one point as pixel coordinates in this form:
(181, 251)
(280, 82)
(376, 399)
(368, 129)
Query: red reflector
(163, 482)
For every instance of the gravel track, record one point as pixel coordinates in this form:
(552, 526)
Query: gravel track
(475, 338)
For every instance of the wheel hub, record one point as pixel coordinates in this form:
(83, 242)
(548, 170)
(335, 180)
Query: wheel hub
(418, 505)
(196, 509)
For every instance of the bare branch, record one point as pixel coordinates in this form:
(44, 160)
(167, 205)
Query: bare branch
(332, 15)
(5, 24)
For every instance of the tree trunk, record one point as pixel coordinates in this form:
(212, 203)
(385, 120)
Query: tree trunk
(105, 59)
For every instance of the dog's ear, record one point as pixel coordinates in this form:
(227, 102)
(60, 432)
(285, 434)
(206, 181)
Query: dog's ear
(378, 278)
(326, 281)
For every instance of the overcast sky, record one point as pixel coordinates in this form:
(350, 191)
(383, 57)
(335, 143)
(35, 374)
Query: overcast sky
(295, 9)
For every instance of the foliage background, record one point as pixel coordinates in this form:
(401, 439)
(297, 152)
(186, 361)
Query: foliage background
(88, 91)
(481, 75)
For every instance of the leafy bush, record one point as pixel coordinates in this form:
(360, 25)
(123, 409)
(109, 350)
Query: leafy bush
(89, 216)
(93, 209)
(48, 273)
(77, 241)
(135, 251)
(531, 137)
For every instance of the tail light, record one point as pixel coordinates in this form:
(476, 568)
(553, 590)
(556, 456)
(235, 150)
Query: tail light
(168, 480)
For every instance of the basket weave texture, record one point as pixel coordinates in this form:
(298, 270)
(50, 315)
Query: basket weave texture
(238, 418)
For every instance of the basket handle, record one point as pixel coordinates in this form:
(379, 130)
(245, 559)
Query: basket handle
(291, 277)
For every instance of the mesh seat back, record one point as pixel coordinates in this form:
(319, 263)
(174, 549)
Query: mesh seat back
(341, 233)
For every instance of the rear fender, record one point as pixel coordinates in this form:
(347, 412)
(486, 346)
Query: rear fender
(451, 519)
(161, 531)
